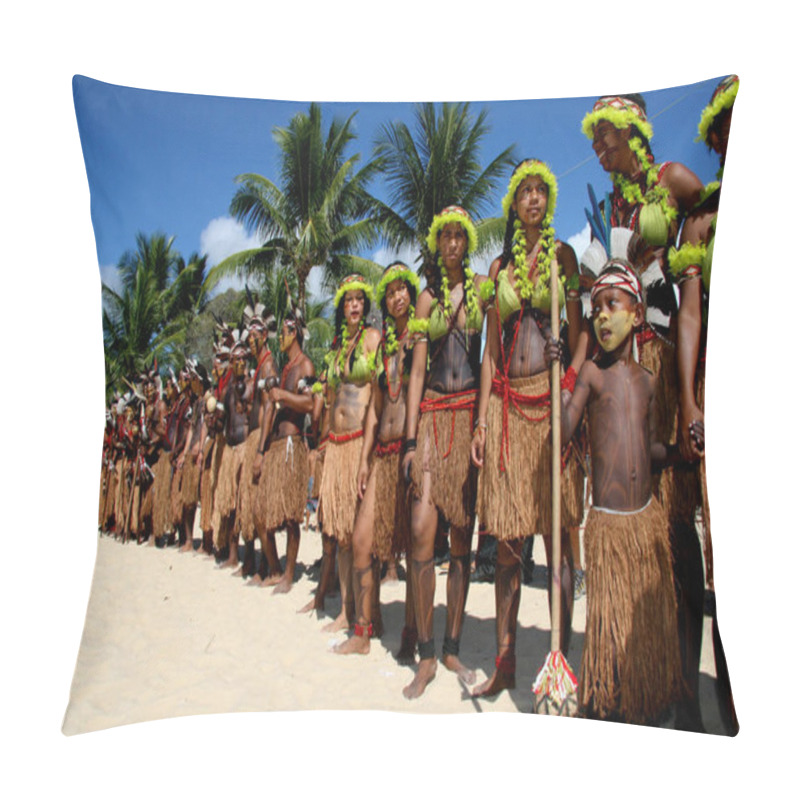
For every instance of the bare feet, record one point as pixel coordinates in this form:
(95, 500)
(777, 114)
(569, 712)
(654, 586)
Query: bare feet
(495, 684)
(426, 672)
(273, 579)
(454, 664)
(283, 586)
(255, 580)
(355, 644)
(187, 547)
(339, 624)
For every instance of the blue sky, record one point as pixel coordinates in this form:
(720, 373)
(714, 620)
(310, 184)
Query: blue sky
(160, 161)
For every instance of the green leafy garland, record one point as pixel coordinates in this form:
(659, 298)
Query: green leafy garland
(471, 301)
(539, 294)
(723, 98)
(655, 196)
(345, 344)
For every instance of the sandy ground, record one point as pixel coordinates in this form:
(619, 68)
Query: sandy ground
(171, 634)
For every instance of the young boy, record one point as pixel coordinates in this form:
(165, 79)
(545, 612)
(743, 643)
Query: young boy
(630, 669)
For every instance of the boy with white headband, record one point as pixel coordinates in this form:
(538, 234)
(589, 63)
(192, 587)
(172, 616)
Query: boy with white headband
(630, 670)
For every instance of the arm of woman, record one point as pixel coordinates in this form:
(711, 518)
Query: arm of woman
(488, 367)
(684, 187)
(416, 380)
(368, 442)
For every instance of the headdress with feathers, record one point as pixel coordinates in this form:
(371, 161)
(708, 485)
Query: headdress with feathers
(256, 314)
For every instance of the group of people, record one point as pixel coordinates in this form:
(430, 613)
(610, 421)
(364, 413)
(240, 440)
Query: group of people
(411, 431)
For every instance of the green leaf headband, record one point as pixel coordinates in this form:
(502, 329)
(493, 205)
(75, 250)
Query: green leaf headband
(723, 98)
(533, 167)
(396, 272)
(448, 215)
(621, 113)
(352, 283)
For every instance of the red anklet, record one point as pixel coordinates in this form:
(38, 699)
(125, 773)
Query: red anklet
(360, 630)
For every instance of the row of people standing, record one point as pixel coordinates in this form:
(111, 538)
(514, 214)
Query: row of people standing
(461, 414)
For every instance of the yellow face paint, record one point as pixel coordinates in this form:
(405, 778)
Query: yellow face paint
(612, 328)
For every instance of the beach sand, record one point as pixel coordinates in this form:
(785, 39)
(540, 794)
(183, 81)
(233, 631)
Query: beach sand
(171, 634)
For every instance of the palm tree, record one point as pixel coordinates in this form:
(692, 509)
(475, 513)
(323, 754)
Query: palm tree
(434, 166)
(318, 216)
(148, 316)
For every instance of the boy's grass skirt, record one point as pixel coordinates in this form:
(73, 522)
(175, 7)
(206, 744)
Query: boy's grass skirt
(514, 496)
(283, 486)
(227, 491)
(248, 489)
(678, 490)
(212, 457)
(338, 495)
(160, 494)
(631, 667)
(444, 438)
(392, 528)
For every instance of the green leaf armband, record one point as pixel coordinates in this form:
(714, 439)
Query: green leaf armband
(686, 262)
(487, 290)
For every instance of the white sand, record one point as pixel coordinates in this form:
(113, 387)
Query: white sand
(170, 634)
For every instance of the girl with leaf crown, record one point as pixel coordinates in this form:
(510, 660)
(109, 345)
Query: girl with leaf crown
(442, 392)
(511, 439)
(346, 387)
(382, 528)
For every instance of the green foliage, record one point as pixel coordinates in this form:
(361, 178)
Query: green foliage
(320, 215)
(436, 165)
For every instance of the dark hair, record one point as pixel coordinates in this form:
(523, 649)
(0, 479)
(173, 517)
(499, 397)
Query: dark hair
(338, 318)
(640, 101)
(508, 239)
(294, 318)
(412, 290)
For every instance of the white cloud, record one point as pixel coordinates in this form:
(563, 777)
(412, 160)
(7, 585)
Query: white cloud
(223, 237)
(109, 275)
(580, 241)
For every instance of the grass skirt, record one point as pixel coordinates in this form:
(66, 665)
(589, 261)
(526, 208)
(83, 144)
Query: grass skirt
(212, 456)
(160, 494)
(190, 483)
(631, 667)
(444, 438)
(248, 490)
(338, 495)
(678, 490)
(121, 497)
(515, 502)
(318, 465)
(110, 494)
(707, 551)
(176, 497)
(392, 529)
(227, 491)
(283, 486)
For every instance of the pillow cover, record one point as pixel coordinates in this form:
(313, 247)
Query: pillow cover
(210, 212)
